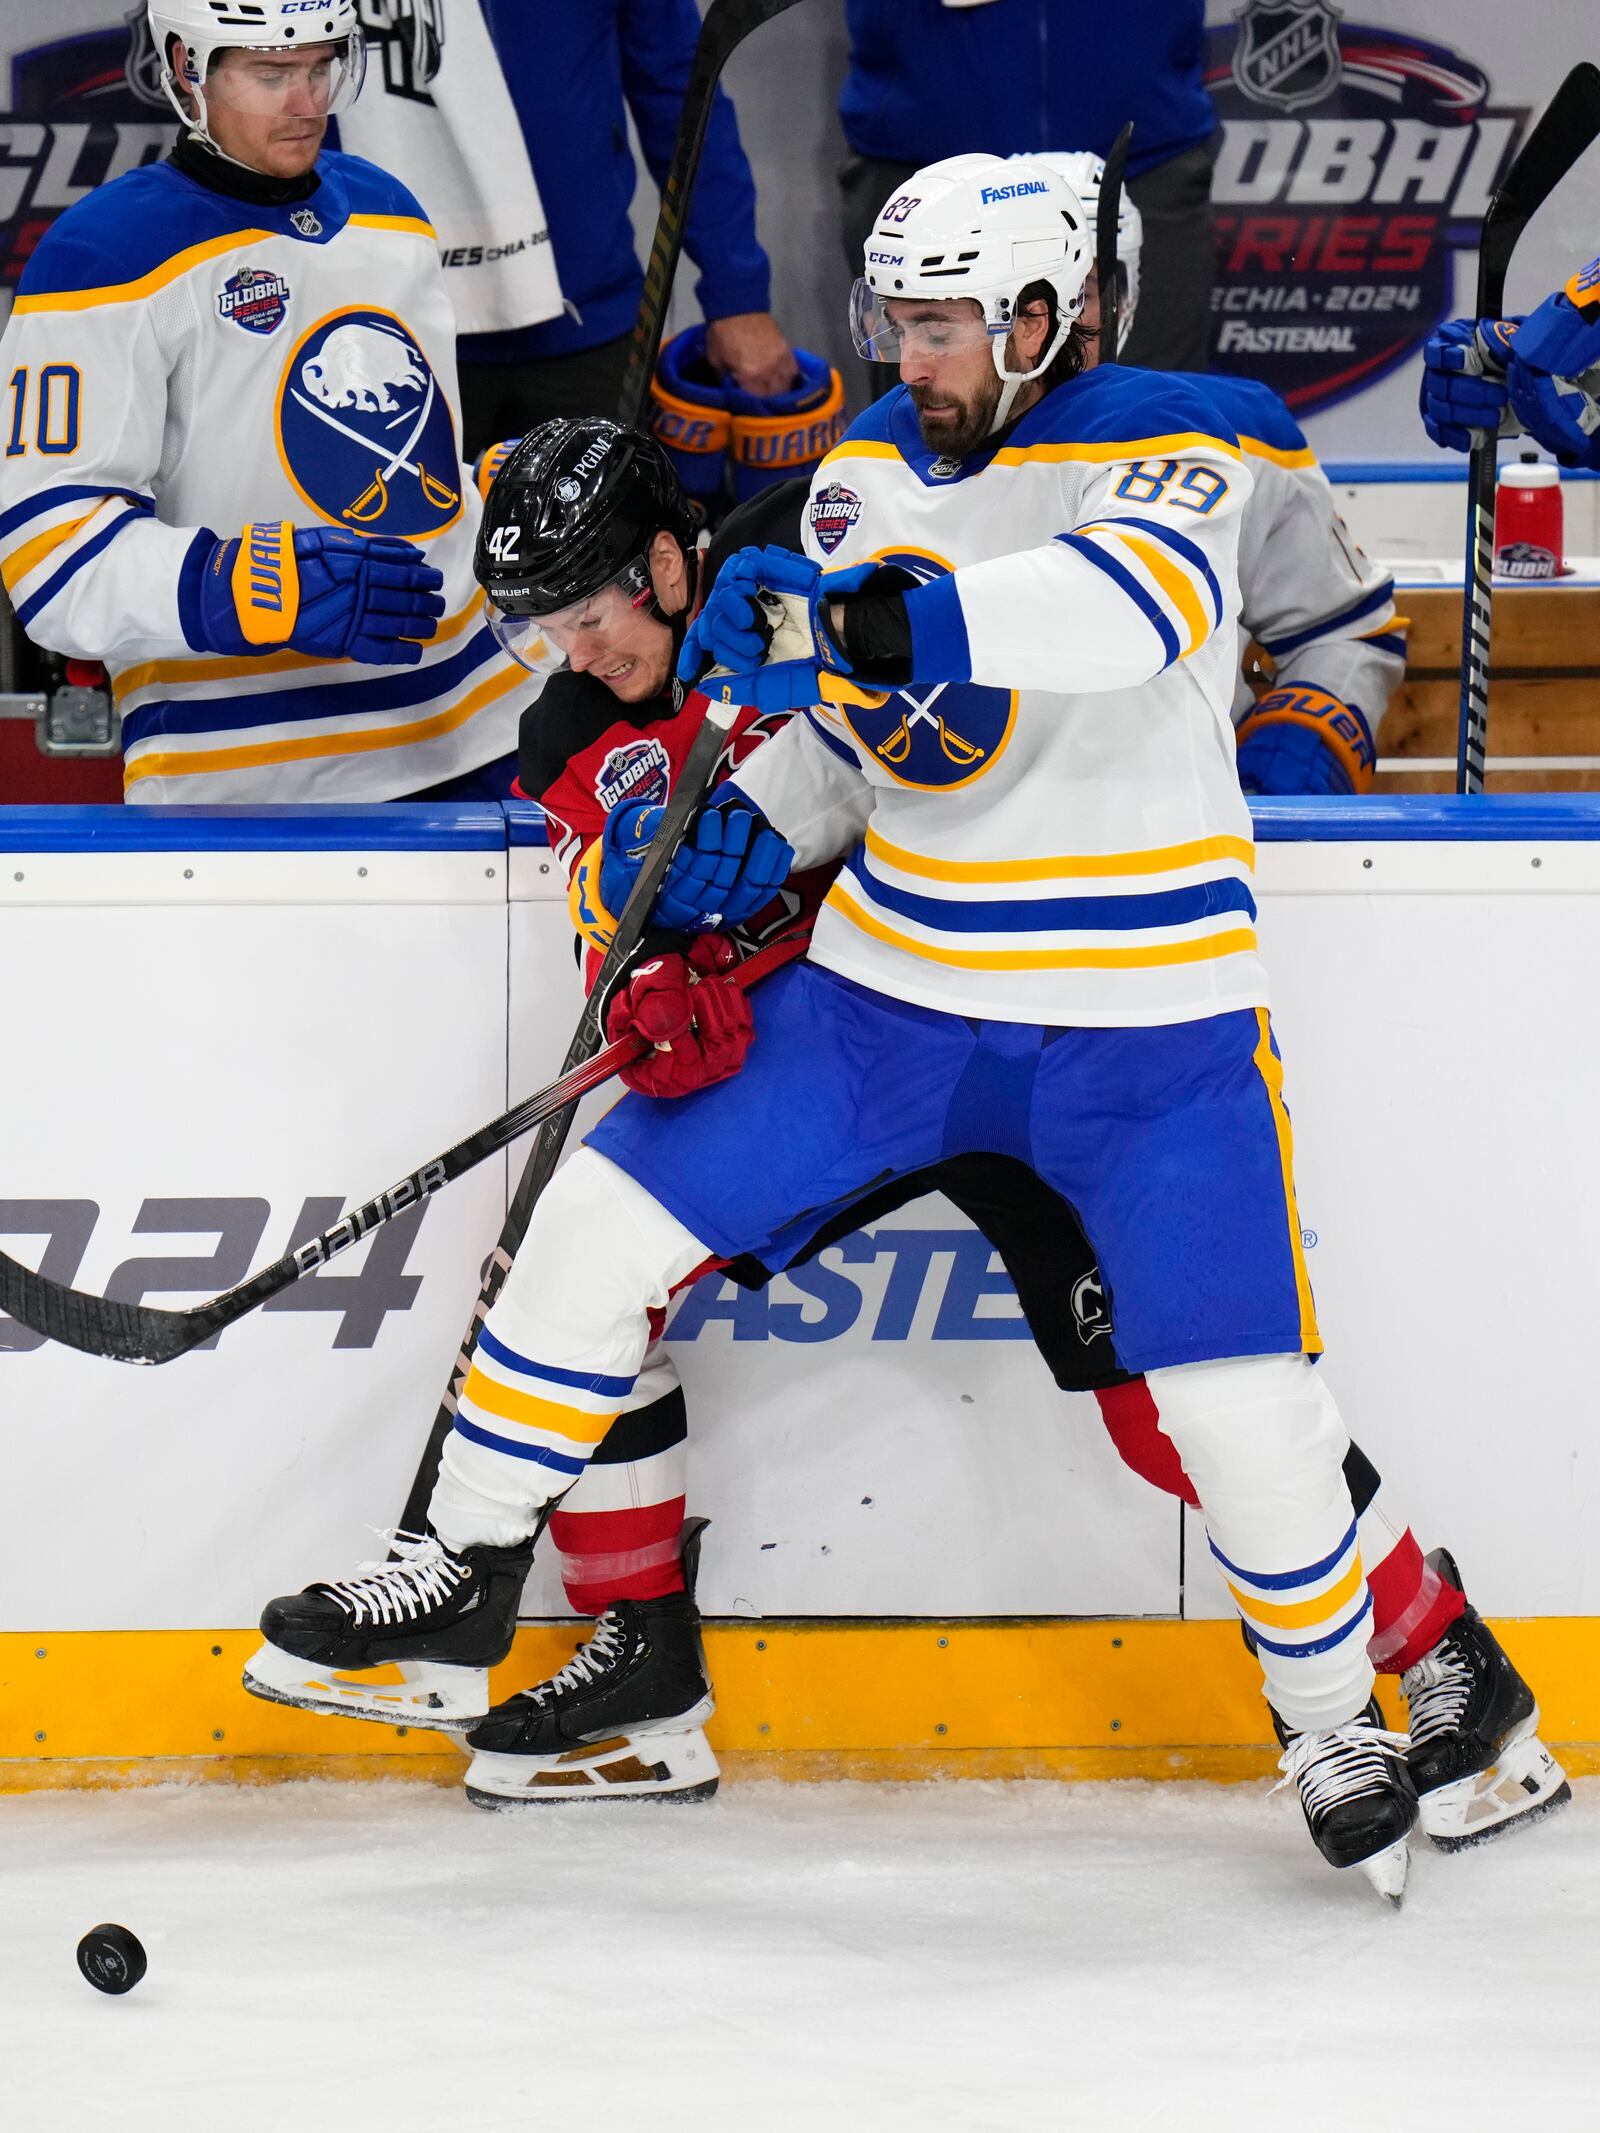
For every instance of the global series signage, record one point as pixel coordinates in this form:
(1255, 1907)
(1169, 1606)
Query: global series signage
(1355, 163)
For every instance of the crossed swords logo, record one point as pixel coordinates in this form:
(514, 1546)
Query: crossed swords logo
(963, 753)
(374, 498)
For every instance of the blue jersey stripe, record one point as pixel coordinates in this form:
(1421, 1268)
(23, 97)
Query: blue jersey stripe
(1390, 641)
(830, 740)
(75, 492)
(536, 1453)
(1060, 914)
(1283, 1580)
(275, 707)
(574, 1380)
(1126, 582)
(76, 561)
(1181, 545)
(1318, 1644)
(1368, 604)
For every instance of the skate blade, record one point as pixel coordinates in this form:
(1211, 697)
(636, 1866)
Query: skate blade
(633, 1766)
(1387, 1871)
(417, 1692)
(1523, 1784)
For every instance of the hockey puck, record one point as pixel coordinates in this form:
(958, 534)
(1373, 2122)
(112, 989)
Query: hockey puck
(111, 1958)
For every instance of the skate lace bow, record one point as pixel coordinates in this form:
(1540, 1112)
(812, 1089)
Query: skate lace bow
(1338, 1765)
(424, 1574)
(1437, 1691)
(588, 1664)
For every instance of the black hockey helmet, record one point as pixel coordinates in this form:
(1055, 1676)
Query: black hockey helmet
(572, 508)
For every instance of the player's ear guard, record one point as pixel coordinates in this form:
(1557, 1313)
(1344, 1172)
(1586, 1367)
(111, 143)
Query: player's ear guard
(689, 414)
(785, 434)
(1300, 740)
(312, 589)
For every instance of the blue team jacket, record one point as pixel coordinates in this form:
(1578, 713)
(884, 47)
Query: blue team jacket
(569, 65)
(928, 81)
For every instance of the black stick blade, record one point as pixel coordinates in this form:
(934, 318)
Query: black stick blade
(1568, 125)
(120, 1332)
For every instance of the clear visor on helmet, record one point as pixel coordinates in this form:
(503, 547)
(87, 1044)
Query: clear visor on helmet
(886, 328)
(603, 622)
(265, 81)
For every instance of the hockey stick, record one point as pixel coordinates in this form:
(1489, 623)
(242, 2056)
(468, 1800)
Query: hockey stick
(727, 24)
(142, 1333)
(1570, 122)
(1107, 214)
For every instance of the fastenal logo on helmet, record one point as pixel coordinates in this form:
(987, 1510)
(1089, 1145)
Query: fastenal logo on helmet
(991, 193)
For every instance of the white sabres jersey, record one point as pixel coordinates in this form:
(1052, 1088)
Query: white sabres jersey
(1057, 836)
(1313, 600)
(181, 364)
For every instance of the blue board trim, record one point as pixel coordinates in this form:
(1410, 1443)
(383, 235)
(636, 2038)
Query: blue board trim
(400, 827)
(1430, 818)
(487, 827)
(1447, 467)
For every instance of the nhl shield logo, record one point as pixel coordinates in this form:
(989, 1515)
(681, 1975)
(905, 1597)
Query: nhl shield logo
(305, 223)
(367, 436)
(254, 298)
(1287, 51)
(834, 510)
(142, 67)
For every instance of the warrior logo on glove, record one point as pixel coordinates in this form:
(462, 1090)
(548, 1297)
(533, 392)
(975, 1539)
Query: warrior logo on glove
(366, 434)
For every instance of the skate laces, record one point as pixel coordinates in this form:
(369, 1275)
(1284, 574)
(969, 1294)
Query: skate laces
(589, 1663)
(1437, 1691)
(425, 1574)
(1338, 1765)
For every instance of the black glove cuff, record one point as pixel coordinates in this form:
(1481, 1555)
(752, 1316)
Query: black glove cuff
(877, 638)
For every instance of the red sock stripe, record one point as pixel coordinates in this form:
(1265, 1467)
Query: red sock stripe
(1129, 1414)
(1412, 1607)
(619, 1555)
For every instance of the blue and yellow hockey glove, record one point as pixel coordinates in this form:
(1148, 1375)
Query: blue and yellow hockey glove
(312, 589)
(731, 863)
(1463, 387)
(1300, 740)
(775, 650)
(1555, 360)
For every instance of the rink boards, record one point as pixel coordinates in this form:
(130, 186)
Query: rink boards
(225, 1026)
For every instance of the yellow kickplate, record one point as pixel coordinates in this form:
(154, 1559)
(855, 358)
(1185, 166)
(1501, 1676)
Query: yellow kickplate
(862, 1699)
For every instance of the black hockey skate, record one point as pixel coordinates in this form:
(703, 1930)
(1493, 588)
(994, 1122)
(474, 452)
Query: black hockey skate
(1476, 1757)
(1359, 1802)
(620, 1721)
(410, 1642)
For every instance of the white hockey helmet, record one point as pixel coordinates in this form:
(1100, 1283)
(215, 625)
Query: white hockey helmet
(1084, 171)
(208, 27)
(978, 226)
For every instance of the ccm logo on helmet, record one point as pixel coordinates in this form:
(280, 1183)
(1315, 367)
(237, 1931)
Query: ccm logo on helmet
(991, 193)
(885, 259)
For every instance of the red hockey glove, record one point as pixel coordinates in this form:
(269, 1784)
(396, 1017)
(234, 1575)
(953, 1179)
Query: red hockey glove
(691, 1012)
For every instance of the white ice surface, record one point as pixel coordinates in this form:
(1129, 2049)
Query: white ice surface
(378, 1959)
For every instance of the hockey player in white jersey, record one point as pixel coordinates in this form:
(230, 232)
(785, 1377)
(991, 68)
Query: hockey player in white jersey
(232, 470)
(1320, 609)
(1014, 720)
(1537, 376)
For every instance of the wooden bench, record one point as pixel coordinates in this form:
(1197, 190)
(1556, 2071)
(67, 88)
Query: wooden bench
(1544, 690)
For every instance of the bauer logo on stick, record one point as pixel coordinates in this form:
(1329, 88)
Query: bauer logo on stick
(366, 434)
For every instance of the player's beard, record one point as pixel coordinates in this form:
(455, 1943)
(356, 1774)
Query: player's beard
(960, 425)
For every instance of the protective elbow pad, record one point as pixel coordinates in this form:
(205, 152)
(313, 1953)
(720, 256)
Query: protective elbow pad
(789, 433)
(1301, 740)
(689, 414)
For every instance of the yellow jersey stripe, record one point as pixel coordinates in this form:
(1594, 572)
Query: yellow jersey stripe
(1300, 1614)
(1072, 866)
(21, 560)
(1208, 948)
(1270, 1068)
(407, 225)
(174, 673)
(1016, 455)
(1169, 575)
(508, 1405)
(129, 292)
(368, 741)
(1257, 448)
(196, 255)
